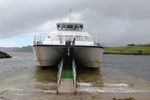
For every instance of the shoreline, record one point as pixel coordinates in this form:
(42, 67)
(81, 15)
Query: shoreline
(125, 53)
(128, 50)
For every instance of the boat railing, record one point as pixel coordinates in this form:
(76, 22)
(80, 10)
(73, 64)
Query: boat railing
(39, 38)
(97, 39)
(60, 66)
(74, 73)
(47, 38)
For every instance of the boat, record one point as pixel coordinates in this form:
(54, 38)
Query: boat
(71, 38)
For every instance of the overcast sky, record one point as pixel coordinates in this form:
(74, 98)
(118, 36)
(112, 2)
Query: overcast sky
(119, 22)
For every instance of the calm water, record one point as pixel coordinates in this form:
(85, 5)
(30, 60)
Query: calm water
(117, 74)
(138, 66)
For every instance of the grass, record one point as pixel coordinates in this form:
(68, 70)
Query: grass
(136, 50)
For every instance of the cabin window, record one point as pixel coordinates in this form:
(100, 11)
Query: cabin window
(76, 27)
(87, 38)
(63, 26)
(69, 26)
(79, 38)
(80, 27)
(58, 26)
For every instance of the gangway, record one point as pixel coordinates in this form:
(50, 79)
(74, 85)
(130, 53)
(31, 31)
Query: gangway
(66, 77)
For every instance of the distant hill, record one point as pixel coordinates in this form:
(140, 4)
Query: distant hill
(16, 49)
(23, 49)
(8, 49)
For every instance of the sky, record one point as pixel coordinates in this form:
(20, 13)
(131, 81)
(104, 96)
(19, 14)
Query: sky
(118, 22)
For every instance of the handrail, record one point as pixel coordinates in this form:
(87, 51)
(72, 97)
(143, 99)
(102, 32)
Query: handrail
(40, 38)
(97, 39)
(60, 66)
(74, 73)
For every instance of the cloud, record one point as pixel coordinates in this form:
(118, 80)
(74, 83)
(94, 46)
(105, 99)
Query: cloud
(117, 21)
(7, 44)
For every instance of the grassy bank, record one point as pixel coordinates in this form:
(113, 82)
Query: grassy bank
(133, 50)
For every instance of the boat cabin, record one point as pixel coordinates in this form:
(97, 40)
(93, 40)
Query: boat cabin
(70, 26)
(67, 31)
(60, 39)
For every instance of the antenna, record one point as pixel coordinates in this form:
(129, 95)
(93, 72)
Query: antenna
(71, 17)
(70, 10)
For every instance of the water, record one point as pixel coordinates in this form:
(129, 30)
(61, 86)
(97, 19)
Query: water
(138, 66)
(18, 65)
(118, 74)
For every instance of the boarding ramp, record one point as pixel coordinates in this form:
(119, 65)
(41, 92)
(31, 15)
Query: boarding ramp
(66, 83)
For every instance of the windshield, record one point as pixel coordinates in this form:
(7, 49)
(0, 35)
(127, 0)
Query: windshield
(79, 38)
(87, 38)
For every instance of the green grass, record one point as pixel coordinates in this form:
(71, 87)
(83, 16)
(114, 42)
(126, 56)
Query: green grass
(139, 50)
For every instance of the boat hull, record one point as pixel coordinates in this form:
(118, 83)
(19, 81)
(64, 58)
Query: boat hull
(88, 57)
(49, 55)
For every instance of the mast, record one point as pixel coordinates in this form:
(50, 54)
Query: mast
(70, 10)
(71, 17)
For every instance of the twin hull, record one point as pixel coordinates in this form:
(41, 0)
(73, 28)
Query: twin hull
(49, 55)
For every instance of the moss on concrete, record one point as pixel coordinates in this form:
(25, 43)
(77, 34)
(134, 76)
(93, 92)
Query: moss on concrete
(67, 74)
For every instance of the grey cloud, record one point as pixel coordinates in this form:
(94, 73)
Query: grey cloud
(114, 20)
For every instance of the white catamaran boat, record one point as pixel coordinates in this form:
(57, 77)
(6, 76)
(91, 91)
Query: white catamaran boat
(70, 36)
